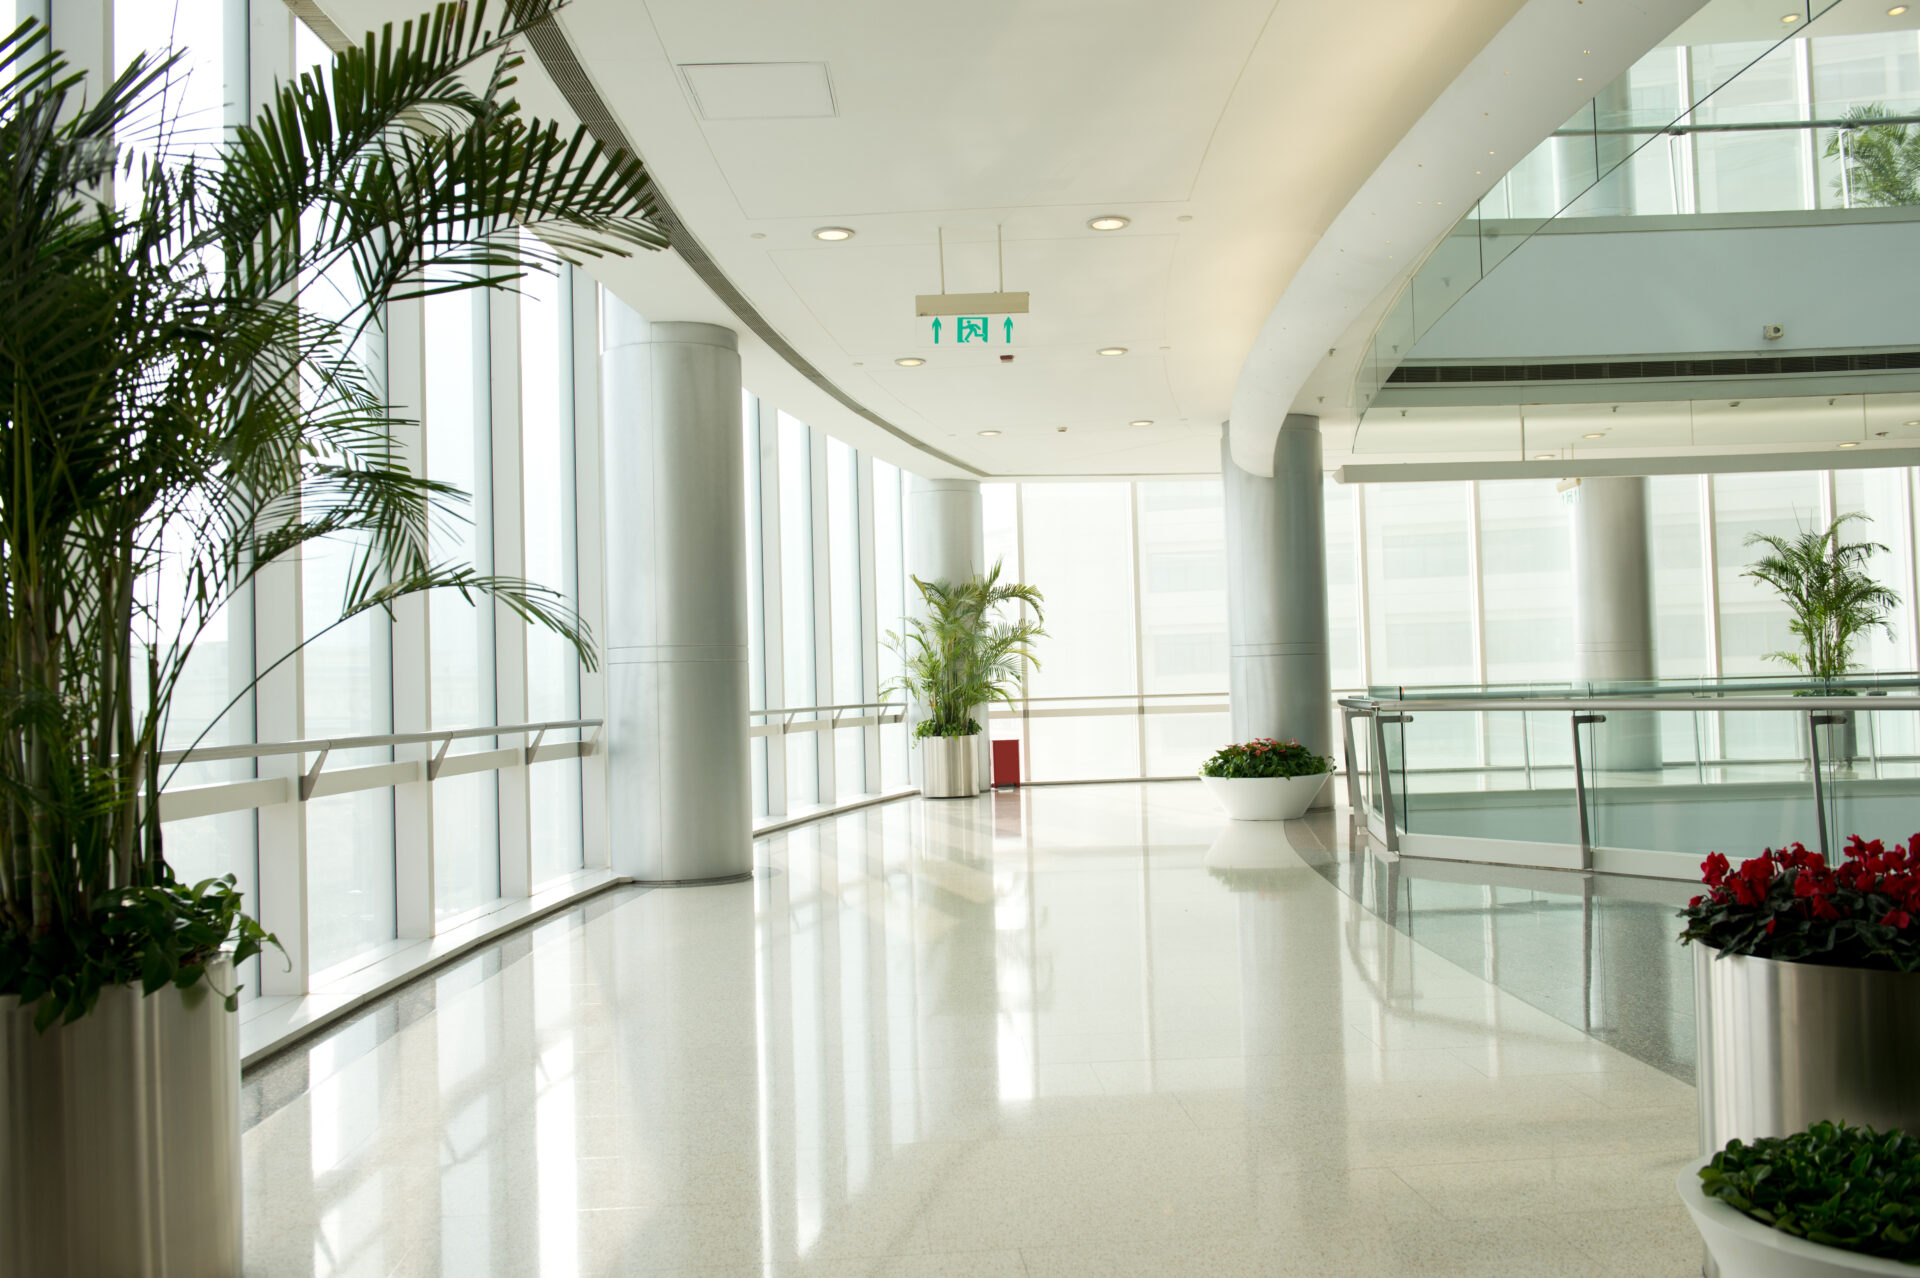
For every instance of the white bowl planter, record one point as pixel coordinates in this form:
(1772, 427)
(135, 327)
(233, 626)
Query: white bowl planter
(1266, 798)
(1745, 1248)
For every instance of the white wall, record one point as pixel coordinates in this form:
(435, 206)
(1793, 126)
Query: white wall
(1661, 292)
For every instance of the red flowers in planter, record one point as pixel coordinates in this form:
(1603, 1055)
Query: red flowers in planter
(1792, 906)
(1266, 757)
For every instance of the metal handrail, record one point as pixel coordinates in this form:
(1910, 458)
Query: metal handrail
(320, 745)
(852, 705)
(1439, 704)
(1820, 711)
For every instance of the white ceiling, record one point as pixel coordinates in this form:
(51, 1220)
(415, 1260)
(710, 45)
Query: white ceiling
(1229, 131)
(1234, 133)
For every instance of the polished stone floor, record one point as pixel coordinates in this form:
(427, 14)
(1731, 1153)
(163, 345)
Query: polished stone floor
(1073, 1030)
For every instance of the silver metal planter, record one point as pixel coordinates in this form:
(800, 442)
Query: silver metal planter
(1782, 1045)
(120, 1138)
(950, 766)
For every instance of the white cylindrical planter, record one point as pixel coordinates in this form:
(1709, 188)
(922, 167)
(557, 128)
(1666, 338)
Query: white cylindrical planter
(1742, 1247)
(1278, 669)
(949, 767)
(1266, 798)
(679, 774)
(120, 1137)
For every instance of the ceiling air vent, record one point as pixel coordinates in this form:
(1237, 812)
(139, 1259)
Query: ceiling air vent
(1644, 369)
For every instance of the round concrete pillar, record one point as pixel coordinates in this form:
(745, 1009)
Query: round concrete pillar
(1613, 612)
(679, 780)
(1277, 594)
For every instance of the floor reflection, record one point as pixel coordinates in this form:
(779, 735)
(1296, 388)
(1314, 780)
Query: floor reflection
(1073, 1030)
(1595, 951)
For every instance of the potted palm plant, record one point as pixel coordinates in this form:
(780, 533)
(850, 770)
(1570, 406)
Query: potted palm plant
(171, 386)
(1824, 581)
(957, 659)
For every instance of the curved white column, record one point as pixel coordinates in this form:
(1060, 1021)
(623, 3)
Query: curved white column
(1277, 593)
(1613, 610)
(947, 539)
(678, 774)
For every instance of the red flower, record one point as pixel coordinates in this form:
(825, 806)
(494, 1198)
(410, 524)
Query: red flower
(1714, 869)
(1823, 908)
(1896, 918)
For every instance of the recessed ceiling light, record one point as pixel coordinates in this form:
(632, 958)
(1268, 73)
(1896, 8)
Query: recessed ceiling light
(1789, 18)
(1896, 11)
(1543, 456)
(1911, 423)
(832, 233)
(759, 235)
(1598, 434)
(909, 361)
(1851, 443)
(1111, 350)
(989, 433)
(1108, 222)
(1143, 421)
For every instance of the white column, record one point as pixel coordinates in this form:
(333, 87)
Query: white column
(947, 540)
(413, 895)
(1613, 611)
(679, 771)
(509, 560)
(279, 706)
(1277, 594)
(590, 547)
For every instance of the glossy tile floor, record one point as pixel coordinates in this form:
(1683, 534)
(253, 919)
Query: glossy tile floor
(1075, 1030)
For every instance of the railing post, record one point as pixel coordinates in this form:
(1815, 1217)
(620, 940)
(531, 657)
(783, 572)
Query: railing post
(1353, 771)
(1815, 721)
(1386, 771)
(1580, 787)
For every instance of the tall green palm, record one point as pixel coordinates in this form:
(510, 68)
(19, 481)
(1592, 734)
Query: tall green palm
(175, 382)
(962, 654)
(1824, 581)
(1881, 161)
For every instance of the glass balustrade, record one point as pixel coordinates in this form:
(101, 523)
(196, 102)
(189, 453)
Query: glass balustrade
(1643, 778)
(1804, 123)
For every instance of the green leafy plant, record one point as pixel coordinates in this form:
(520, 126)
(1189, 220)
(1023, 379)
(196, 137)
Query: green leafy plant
(962, 654)
(1824, 581)
(1266, 757)
(1840, 1186)
(1880, 162)
(182, 380)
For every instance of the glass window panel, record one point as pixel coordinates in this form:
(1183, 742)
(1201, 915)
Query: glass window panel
(1748, 172)
(1753, 621)
(1418, 594)
(843, 593)
(890, 600)
(1343, 588)
(756, 595)
(1183, 586)
(466, 850)
(1881, 495)
(796, 603)
(1879, 69)
(546, 466)
(1678, 553)
(1077, 548)
(1001, 523)
(1526, 565)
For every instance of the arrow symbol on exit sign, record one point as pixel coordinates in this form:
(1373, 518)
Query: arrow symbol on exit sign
(936, 332)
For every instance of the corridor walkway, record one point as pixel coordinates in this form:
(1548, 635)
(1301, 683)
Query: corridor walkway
(1080, 1030)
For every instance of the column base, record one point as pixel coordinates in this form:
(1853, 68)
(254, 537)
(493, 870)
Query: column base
(741, 877)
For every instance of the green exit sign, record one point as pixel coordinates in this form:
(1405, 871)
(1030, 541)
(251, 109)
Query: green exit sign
(964, 330)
